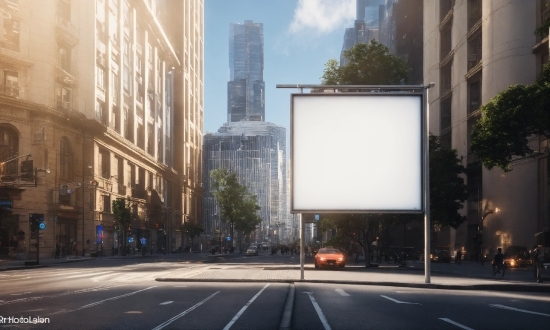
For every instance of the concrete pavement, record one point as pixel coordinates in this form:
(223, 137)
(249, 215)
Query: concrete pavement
(238, 268)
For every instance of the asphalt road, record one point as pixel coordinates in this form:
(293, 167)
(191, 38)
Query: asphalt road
(123, 294)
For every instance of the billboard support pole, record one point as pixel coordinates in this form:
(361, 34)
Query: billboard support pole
(426, 169)
(302, 247)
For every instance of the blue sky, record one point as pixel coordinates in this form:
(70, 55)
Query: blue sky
(300, 36)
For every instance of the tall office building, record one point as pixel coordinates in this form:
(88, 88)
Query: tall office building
(92, 92)
(365, 28)
(473, 50)
(256, 152)
(246, 87)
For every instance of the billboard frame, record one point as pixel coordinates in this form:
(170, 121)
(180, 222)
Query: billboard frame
(365, 91)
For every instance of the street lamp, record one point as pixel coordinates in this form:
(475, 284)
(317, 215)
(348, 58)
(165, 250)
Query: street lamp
(480, 229)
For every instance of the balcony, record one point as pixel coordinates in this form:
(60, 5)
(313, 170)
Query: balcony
(66, 32)
(11, 45)
(63, 106)
(65, 78)
(9, 90)
(121, 189)
(139, 192)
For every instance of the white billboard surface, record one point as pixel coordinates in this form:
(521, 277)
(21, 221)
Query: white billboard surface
(356, 153)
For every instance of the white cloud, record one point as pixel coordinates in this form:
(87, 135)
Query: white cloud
(322, 16)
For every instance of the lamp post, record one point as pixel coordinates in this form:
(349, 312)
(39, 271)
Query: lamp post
(480, 229)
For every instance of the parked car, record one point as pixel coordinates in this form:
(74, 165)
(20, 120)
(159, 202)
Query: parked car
(517, 256)
(251, 251)
(329, 257)
(440, 255)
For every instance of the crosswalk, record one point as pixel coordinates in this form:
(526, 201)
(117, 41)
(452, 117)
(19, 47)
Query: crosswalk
(124, 274)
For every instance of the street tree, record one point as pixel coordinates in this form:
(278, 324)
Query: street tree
(123, 214)
(509, 120)
(192, 230)
(369, 64)
(237, 206)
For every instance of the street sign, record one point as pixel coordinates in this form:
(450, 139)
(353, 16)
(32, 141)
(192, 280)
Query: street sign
(228, 238)
(42, 226)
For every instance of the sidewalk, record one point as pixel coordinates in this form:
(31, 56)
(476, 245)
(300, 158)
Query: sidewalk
(443, 276)
(46, 262)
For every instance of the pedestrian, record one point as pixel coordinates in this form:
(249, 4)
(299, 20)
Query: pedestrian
(57, 250)
(458, 257)
(537, 258)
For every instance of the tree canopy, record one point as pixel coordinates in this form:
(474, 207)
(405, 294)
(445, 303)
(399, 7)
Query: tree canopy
(369, 64)
(237, 206)
(509, 119)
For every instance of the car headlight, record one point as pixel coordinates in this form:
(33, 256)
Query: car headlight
(322, 259)
(340, 259)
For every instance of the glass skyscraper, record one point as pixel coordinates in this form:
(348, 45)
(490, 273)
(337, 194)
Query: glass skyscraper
(246, 87)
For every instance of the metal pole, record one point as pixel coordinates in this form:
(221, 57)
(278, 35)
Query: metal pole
(302, 256)
(426, 170)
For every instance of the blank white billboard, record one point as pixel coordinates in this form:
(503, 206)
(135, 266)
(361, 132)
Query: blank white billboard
(356, 153)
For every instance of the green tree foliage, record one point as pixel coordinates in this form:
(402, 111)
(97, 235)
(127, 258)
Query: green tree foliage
(192, 230)
(447, 189)
(123, 213)
(370, 64)
(509, 119)
(237, 206)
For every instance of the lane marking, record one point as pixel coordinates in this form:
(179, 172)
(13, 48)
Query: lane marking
(455, 323)
(166, 303)
(113, 298)
(19, 294)
(236, 317)
(185, 312)
(319, 311)
(399, 302)
(21, 300)
(191, 274)
(98, 278)
(83, 275)
(342, 292)
(518, 310)
(181, 286)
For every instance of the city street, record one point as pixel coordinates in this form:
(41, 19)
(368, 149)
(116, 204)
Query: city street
(198, 291)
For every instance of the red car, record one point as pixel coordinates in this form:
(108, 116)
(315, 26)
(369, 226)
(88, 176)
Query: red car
(329, 257)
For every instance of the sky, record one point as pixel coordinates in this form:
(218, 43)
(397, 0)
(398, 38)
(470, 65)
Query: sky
(300, 36)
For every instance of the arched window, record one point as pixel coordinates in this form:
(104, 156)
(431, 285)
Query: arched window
(9, 148)
(66, 160)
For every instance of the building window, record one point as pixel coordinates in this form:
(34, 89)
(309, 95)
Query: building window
(10, 83)
(445, 78)
(104, 164)
(63, 98)
(100, 76)
(474, 95)
(64, 10)
(150, 139)
(474, 12)
(474, 50)
(11, 35)
(66, 160)
(115, 87)
(445, 7)
(106, 203)
(64, 59)
(9, 147)
(446, 41)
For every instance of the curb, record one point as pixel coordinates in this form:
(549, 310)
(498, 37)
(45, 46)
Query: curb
(47, 265)
(476, 287)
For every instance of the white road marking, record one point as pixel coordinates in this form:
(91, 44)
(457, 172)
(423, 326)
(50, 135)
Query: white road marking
(98, 278)
(236, 317)
(518, 310)
(342, 292)
(83, 275)
(319, 311)
(185, 312)
(399, 302)
(19, 294)
(113, 298)
(166, 303)
(190, 274)
(181, 286)
(455, 323)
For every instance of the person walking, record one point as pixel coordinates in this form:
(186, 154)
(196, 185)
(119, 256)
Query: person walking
(537, 258)
(458, 257)
(57, 250)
